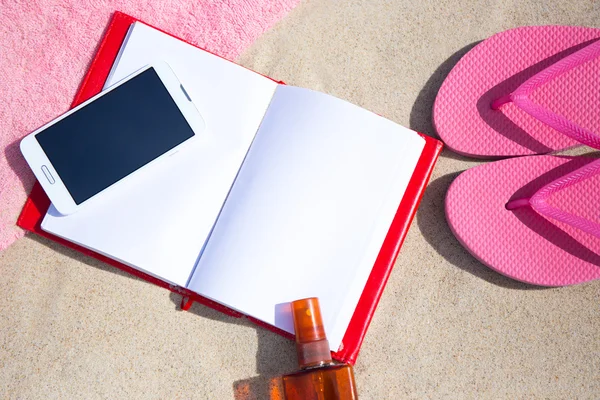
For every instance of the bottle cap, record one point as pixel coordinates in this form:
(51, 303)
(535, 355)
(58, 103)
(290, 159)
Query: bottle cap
(311, 342)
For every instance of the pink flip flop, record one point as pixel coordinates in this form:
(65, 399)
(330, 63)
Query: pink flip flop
(533, 219)
(525, 91)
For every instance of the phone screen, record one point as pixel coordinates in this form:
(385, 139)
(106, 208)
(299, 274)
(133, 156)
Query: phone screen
(114, 135)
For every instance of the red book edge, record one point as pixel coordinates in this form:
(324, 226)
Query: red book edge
(38, 203)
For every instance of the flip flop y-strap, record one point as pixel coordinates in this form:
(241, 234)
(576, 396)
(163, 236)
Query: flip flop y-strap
(539, 203)
(520, 97)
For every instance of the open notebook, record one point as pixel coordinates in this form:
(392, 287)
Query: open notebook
(289, 193)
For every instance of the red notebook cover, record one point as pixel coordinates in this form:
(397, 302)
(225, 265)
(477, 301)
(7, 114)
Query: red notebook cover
(37, 204)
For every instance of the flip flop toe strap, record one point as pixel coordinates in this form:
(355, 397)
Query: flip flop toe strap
(539, 203)
(520, 97)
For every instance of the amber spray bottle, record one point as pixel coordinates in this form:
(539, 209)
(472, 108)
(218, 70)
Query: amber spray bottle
(319, 378)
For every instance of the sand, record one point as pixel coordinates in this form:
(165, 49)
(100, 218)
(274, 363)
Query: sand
(446, 327)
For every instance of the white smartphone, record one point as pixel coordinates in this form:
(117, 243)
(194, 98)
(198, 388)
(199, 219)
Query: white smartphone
(98, 144)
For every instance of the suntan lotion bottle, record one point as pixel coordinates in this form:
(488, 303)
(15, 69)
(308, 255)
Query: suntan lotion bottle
(319, 378)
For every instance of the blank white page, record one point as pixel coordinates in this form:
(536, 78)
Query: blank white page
(309, 210)
(159, 221)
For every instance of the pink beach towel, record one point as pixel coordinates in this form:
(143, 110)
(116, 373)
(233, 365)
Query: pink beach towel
(46, 46)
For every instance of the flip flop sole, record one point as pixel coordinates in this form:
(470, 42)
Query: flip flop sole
(468, 125)
(521, 243)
